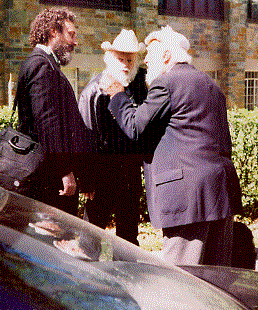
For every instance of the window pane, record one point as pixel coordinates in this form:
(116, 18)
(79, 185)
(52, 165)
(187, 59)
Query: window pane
(255, 11)
(252, 10)
(216, 9)
(188, 8)
(201, 8)
(251, 89)
(170, 7)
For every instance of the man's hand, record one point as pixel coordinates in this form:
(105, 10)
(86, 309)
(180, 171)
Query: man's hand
(110, 85)
(89, 195)
(69, 185)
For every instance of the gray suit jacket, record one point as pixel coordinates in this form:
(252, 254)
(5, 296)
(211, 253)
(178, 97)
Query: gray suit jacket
(188, 172)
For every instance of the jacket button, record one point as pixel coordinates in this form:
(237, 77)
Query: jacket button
(16, 183)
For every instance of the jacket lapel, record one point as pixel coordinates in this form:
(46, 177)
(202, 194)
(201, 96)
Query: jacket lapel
(39, 52)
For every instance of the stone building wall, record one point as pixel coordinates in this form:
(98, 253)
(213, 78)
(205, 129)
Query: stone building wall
(227, 48)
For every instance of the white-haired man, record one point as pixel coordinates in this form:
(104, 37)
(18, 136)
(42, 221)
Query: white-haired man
(116, 160)
(191, 184)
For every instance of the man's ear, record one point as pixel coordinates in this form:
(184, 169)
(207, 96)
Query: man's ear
(167, 56)
(53, 33)
(53, 38)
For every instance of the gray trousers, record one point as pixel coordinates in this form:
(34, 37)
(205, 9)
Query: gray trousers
(205, 243)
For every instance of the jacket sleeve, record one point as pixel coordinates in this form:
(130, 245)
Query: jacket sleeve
(84, 107)
(134, 121)
(86, 103)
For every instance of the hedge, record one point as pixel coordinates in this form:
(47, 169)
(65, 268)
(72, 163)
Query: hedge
(244, 132)
(5, 117)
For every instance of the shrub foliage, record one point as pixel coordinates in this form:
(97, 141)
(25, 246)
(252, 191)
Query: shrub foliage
(5, 117)
(244, 132)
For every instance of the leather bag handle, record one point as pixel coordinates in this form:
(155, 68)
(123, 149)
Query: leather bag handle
(18, 149)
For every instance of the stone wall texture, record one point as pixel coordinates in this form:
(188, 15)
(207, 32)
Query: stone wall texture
(227, 47)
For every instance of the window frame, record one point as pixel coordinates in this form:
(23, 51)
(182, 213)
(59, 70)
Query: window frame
(251, 89)
(252, 15)
(120, 5)
(213, 9)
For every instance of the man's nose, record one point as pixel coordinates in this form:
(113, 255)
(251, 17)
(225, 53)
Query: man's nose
(125, 63)
(73, 40)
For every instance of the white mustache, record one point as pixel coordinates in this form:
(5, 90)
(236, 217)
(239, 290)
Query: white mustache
(118, 70)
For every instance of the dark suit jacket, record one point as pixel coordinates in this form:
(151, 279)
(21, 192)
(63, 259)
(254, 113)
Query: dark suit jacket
(115, 156)
(189, 175)
(48, 112)
(93, 103)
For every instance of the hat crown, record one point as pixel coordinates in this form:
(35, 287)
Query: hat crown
(125, 42)
(169, 37)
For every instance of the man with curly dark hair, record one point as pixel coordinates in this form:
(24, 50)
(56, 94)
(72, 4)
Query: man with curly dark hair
(48, 110)
(54, 20)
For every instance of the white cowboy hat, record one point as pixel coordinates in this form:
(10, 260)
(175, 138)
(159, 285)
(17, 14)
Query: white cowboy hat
(169, 37)
(125, 42)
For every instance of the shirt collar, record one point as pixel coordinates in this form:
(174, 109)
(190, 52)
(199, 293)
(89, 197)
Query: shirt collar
(49, 51)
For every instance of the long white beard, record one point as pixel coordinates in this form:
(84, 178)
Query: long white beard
(115, 68)
(153, 72)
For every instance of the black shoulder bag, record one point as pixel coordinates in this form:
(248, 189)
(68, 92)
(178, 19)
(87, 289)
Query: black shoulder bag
(20, 158)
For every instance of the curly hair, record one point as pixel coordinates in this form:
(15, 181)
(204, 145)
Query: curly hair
(49, 19)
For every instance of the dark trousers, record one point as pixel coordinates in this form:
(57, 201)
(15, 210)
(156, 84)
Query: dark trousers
(117, 191)
(206, 243)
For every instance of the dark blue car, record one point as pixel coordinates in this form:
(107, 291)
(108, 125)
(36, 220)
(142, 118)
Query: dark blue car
(36, 272)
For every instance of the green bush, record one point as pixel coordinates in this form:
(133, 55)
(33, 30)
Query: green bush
(5, 117)
(244, 133)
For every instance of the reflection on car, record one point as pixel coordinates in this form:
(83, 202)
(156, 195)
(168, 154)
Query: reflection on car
(100, 270)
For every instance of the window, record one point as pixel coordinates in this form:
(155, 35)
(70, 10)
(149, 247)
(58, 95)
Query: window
(118, 5)
(252, 10)
(251, 89)
(212, 9)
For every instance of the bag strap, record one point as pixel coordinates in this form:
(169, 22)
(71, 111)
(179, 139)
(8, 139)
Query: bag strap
(13, 111)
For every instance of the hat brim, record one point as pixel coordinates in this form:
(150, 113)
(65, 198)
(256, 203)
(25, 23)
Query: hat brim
(107, 46)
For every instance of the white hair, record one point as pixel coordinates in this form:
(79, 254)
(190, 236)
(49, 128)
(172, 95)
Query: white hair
(174, 42)
(114, 67)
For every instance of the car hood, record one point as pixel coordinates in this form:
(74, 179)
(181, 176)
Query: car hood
(117, 275)
(134, 285)
(241, 283)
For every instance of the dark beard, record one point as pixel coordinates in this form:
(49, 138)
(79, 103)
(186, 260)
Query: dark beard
(63, 53)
